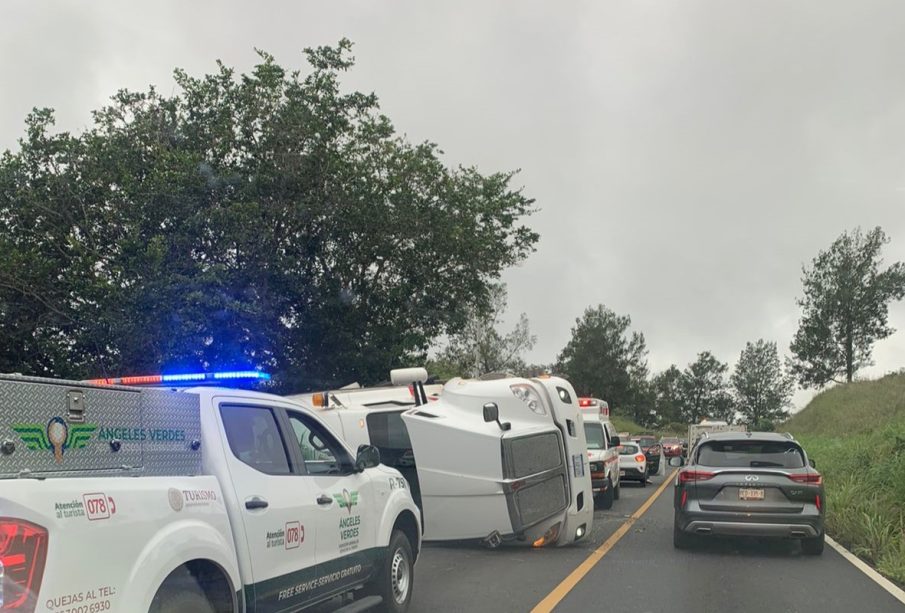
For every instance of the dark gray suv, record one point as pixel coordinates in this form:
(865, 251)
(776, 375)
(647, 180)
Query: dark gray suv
(749, 484)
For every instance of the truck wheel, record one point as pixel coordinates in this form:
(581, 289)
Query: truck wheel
(395, 580)
(182, 601)
(606, 498)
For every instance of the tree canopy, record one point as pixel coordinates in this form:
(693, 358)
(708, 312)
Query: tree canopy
(761, 388)
(667, 395)
(704, 391)
(604, 358)
(845, 308)
(265, 219)
(480, 348)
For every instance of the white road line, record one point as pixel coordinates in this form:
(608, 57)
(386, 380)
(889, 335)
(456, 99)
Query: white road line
(882, 581)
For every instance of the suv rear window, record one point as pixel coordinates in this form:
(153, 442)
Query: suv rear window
(628, 449)
(747, 454)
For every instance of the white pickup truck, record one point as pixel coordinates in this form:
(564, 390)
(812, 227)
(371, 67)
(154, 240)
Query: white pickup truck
(117, 498)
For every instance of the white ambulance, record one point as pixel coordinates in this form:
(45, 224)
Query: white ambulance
(497, 459)
(602, 450)
(201, 500)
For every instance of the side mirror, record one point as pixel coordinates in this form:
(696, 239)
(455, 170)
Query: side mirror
(368, 457)
(615, 441)
(492, 413)
(812, 463)
(676, 461)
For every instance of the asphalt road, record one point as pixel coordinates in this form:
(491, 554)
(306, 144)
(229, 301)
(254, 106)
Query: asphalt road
(643, 573)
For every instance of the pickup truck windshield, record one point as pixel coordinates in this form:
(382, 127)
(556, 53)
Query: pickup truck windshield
(594, 433)
(747, 454)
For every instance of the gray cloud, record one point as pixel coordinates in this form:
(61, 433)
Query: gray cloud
(687, 157)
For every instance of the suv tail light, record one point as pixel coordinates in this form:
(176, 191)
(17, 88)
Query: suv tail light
(687, 476)
(23, 552)
(640, 457)
(812, 478)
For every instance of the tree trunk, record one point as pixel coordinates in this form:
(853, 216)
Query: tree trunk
(849, 353)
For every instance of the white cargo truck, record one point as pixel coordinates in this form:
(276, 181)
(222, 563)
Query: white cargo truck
(709, 426)
(128, 499)
(501, 459)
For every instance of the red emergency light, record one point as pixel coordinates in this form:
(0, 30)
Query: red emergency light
(593, 402)
(185, 378)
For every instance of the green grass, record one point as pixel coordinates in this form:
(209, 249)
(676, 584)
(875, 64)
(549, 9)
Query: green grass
(624, 424)
(856, 435)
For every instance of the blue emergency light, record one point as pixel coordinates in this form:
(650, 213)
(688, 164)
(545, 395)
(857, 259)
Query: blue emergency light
(200, 377)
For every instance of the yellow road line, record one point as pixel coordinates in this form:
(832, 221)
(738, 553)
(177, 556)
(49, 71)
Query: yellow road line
(560, 591)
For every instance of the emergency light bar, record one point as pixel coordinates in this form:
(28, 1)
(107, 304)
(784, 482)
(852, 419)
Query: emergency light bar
(586, 403)
(201, 377)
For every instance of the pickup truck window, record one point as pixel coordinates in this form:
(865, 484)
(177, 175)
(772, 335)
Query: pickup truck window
(254, 438)
(321, 452)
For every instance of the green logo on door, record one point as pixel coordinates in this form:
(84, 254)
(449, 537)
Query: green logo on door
(346, 500)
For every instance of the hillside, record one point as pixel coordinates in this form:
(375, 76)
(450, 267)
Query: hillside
(854, 408)
(855, 433)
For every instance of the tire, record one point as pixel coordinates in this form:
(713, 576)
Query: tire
(643, 482)
(616, 491)
(606, 498)
(814, 546)
(681, 540)
(182, 601)
(395, 581)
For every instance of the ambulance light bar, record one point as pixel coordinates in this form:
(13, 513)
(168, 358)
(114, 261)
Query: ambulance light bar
(201, 377)
(585, 403)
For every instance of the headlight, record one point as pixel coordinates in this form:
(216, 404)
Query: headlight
(529, 396)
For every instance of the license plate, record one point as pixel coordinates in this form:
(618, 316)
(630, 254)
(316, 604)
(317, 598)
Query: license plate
(750, 494)
(621, 473)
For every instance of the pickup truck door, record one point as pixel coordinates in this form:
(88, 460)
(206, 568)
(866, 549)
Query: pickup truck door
(347, 510)
(276, 504)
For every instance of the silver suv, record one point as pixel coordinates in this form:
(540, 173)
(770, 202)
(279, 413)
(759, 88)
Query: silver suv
(749, 484)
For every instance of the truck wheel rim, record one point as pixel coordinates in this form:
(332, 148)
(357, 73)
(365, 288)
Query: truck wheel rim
(400, 576)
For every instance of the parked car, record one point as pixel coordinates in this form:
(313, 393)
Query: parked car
(632, 463)
(672, 447)
(749, 484)
(652, 450)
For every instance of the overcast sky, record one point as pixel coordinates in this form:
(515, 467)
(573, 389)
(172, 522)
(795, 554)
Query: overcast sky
(687, 157)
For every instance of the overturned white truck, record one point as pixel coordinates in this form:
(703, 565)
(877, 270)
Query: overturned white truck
(497, 459)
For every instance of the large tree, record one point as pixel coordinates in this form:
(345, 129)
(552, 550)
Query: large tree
(604, 358)
(845, 308)
(704, 391)
(667, 393)
(264, 219)
(480, 347)
(761, 387)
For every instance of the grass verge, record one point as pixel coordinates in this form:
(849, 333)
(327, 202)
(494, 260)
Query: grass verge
(856, 435)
